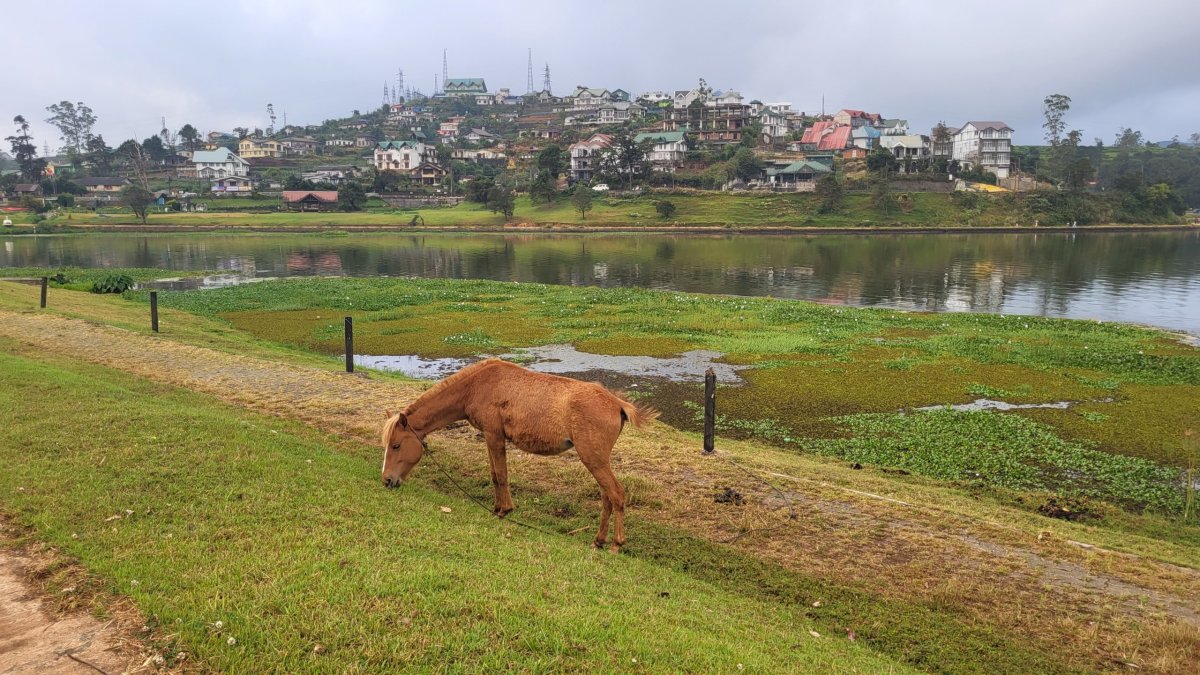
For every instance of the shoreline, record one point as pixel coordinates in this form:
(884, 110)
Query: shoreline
(569, 228)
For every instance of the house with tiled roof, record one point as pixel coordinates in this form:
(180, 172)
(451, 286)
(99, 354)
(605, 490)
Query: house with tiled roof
(310, 200)
(103, 184)
(585, 155)
(464, 86)
(856, 118)
(619, 111)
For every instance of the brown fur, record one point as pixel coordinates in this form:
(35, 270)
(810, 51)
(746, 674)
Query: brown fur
(538, 413)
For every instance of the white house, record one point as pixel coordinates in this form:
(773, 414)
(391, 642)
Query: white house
(404, 156)
(220, 163)
(585, 154)
(585, 97)
(668, 150)
(909, 146)
(774, 120)
(985, 144)
(620, 111)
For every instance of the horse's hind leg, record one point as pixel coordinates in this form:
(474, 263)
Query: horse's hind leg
(612, 499)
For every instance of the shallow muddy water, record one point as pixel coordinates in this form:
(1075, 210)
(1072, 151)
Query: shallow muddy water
(563, 359)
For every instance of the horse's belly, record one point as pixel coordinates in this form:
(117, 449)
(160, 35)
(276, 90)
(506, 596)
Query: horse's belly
(541, 446)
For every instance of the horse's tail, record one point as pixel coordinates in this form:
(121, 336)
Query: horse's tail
(636, 413)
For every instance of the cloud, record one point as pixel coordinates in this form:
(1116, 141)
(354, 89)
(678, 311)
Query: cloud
(216, 64)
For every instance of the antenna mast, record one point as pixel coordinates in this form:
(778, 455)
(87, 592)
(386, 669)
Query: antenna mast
(546, 82)
(445, 71)
(529, 73)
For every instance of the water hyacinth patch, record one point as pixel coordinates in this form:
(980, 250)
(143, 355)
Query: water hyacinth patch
(1004, 450)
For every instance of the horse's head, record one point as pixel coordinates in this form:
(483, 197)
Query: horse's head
(402, 449)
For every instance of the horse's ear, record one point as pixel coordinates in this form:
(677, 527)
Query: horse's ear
(403, 421)
(387, 414)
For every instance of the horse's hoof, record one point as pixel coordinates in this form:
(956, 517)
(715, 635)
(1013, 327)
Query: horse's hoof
(501, 512)
(616, 548)
(599, 544)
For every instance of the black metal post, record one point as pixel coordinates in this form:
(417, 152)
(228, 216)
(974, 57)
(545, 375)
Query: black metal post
(45, 285)
(349, 344)
(154, 311)
(710, 410)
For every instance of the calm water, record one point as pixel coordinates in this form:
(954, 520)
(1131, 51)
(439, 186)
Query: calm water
(1151, 278)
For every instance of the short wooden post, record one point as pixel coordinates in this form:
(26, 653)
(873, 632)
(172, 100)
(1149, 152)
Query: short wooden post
(45, 285)
(710, 410)
(154, 311)
(349, 344)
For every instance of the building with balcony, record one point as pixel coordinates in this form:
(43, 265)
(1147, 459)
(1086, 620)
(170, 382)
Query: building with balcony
(986, 145)
(585, 156)
(709, 122)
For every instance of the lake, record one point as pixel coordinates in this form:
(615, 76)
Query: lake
(1140, 277)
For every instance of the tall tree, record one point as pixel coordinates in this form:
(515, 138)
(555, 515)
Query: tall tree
(99, 155)
(626, 158)
(74, 122)
(154, 149)
(1127, 138)
(25, 151)
(189, 136)
(1054, 108)
(551, 159)
(131, 153)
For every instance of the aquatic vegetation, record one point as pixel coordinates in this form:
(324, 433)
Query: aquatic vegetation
(811, 365)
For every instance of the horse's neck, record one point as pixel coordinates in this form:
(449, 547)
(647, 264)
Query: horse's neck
(437, 408)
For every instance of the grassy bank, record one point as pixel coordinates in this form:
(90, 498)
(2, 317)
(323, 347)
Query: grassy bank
(232, 523)
(831, 380)
(732, 210)
(266, 546)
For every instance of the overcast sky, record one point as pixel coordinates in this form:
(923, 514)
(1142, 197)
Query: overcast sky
(216, 64)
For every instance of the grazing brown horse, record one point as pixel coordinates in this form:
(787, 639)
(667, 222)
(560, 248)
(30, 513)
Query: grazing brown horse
(538, 413)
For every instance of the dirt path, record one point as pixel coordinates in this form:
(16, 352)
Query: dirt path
(36, 639)
(1002, 575)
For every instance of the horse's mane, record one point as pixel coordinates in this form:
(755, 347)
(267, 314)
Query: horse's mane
(452, 380)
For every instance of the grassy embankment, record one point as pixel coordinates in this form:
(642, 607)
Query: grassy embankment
(829, 380)
(251, 499)
(745, 211)
(243, 528)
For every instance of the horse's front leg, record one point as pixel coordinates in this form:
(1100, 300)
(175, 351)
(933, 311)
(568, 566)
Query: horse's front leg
(498, 459)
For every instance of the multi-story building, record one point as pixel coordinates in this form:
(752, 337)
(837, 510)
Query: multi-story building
(403, 156)
(251, 148)
(710, 121)
(586, 154)
(219, 163)
(984, 144)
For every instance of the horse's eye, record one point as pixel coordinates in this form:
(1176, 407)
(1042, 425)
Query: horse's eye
(396, 446)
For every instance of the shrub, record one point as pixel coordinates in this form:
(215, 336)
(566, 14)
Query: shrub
(113, 283)
(665, 208)
(66, 200)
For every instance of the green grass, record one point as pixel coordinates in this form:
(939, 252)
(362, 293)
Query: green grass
(734, 210)
(285, 536)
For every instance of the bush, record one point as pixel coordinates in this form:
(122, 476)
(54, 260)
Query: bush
(665, 208)
(113, 283)
(66, 200)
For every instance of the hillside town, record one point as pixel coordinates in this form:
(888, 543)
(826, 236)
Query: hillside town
(429, 149)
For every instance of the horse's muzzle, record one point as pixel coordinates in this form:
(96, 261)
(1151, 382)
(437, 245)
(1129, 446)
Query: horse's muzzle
(392, 482)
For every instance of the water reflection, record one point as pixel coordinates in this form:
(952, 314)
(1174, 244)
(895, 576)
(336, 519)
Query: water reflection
(1151, 277)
